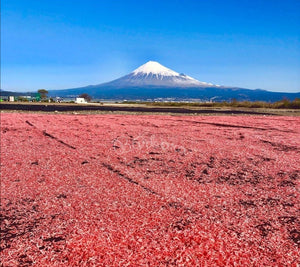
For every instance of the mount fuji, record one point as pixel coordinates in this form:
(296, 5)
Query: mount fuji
(153, 81)
(154, 74)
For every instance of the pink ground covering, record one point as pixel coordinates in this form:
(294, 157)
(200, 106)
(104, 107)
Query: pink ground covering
(116, 190)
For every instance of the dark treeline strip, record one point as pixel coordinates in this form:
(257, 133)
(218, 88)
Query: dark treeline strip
(283, 104)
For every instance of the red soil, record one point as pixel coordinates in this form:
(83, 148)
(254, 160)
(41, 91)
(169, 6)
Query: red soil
(116, 190)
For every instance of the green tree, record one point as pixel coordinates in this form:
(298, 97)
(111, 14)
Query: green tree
(43, 93)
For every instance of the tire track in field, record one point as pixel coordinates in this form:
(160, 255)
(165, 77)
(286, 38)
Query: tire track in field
(237, 126)
(169, 204)
(111, 168)
(50, 135)
(281, 147)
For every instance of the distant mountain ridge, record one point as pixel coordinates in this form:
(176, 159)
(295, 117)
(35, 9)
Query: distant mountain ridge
(153, 81)
(12, 93)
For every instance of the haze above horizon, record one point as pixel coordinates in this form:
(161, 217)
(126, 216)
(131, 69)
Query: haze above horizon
(72, 43)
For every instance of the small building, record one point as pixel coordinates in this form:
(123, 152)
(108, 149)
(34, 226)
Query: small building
(11, 98)
(80, 100)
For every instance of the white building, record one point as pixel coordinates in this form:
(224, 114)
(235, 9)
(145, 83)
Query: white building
(80, 100)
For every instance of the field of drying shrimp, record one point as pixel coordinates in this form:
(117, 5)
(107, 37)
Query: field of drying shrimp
(142, 190)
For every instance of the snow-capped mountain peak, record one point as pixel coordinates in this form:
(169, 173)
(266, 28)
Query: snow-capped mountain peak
(153, 67)
(153, 73)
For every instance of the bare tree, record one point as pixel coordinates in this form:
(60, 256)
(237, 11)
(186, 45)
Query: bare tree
(87, 97)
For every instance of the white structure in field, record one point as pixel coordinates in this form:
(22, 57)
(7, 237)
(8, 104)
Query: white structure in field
(80, 100)
(11, 99)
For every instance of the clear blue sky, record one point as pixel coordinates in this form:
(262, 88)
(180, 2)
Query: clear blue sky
(56, 44)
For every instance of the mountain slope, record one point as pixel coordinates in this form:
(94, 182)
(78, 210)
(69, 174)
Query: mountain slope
(11, 93)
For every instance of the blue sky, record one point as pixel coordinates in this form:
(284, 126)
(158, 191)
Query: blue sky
(56, 44)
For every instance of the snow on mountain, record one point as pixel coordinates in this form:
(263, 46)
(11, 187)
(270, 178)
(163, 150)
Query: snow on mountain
(154, 74)
(153, 67)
